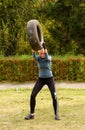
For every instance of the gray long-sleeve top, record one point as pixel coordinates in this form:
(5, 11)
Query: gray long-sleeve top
(44, 65)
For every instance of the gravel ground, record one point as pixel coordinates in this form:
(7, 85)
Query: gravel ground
(31, 84)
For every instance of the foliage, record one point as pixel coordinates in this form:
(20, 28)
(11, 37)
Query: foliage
(14, 16)
(25, 69)
(17, 70)
(66, 26)
(63, 24)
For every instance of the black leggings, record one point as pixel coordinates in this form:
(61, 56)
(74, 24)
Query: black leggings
(38, 86)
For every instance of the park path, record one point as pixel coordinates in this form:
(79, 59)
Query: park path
(31, 84)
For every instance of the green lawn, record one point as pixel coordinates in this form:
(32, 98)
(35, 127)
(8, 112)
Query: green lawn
(14, 106)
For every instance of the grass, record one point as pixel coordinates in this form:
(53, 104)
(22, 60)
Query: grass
(61, 57)
(68, 56)
(14, 106)
(17, 57)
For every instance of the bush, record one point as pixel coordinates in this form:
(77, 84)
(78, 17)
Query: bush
(17, 70)
(70, 69)
(25, 69)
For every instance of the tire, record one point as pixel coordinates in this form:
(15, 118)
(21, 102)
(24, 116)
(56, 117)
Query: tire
(35, 35)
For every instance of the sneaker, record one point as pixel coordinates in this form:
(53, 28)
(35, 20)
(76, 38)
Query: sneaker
(57, 117)
(28, 117)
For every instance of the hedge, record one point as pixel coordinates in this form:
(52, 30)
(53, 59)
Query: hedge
(22, 70)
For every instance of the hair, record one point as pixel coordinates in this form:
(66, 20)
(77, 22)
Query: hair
(42, 50)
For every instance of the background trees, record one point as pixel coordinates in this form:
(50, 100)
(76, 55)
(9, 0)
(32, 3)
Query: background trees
(66, 24)
(63, 24)
(14, 16)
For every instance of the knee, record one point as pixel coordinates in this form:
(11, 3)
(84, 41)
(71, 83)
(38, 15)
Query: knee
(54, 96)
(32, 96)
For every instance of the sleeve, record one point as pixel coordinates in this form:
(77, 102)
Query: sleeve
(47, 57)
(35, 56)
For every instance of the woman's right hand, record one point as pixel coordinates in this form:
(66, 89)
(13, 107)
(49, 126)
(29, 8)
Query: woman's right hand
(33, 50)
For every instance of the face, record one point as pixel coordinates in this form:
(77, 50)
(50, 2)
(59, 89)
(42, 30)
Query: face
(41, 53)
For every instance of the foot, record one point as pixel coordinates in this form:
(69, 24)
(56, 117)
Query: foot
(57, 117)
(28, 117)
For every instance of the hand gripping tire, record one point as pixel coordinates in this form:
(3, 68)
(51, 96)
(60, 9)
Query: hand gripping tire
(35, 35)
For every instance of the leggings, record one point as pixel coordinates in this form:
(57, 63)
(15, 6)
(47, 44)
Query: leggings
(37, 87)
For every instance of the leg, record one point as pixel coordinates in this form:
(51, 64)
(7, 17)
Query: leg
(51, 86)
(38, 86)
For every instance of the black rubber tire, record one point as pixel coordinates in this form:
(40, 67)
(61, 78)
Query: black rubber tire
(35, 35)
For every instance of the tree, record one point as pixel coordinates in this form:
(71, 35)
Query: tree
(14, 16)
(67, 24)
(63, 24)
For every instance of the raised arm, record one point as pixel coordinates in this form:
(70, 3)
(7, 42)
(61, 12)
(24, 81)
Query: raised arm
(46, 52)
(34, 54)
